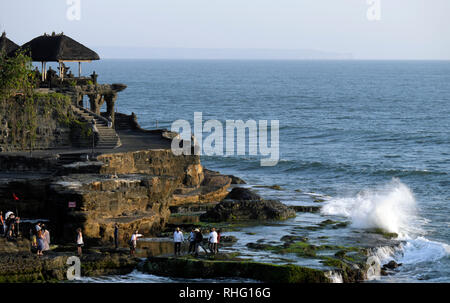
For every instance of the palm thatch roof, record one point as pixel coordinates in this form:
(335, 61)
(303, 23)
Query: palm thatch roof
(7, 45)
(51, 48)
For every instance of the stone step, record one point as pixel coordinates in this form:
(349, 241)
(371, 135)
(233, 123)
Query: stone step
(107, 137)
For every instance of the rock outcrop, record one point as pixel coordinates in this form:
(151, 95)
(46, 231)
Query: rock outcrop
(213, 188)
(195, 268)
(243, 204)
(26, 268)
(133, 189)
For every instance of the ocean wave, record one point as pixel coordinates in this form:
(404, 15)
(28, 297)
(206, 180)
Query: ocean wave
(420, 249)
(286, 165)
(407, 172)
(391, 207)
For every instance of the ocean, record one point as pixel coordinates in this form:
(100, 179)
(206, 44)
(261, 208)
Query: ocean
(372, 138)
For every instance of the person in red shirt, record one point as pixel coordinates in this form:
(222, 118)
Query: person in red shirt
(2, 223)
(219, 234)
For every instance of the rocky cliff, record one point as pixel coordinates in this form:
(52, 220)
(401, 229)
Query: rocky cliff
(133, 189)
(43, 122)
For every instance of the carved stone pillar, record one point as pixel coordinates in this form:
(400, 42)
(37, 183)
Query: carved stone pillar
(110, 103)
(80, 100)
(96, 101)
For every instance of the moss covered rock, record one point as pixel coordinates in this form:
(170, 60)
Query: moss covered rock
(195, 268)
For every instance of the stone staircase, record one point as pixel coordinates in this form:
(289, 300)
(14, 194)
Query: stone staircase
(107, 136)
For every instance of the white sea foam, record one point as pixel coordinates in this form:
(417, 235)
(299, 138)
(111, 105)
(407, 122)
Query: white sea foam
(421, 249)
(391, 207)
(334, 277)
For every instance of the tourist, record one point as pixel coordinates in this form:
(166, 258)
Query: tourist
(37, 227)
(33, 234)
(33, 238)
(192, 241)
(40, 243)
(46, 235)
(80, 242)
(198, 241)
(133, 242)
(10, 225)
(219, 235)
(2, 223)
(177, 239)
(213, 241)
(116, 235)
(6, 232)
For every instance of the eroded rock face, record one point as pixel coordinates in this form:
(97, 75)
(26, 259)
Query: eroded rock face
(154, 162)
(213, 188)
(134, 202)
(247, 205)
(132, 189)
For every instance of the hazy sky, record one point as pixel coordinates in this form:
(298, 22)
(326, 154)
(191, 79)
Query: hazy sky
(408, 29)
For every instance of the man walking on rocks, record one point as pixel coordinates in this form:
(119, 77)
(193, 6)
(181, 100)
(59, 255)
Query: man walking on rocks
(178, 238)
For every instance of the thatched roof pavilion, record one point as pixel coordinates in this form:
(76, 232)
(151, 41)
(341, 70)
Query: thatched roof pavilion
(59, 48)
(7, 45)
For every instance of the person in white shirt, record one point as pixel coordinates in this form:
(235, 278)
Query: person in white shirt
(177, 239)
(213, 240)
(133, 242)
(80, 242)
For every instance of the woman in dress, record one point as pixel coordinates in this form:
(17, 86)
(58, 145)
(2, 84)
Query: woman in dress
(40, 242)
(46, 238)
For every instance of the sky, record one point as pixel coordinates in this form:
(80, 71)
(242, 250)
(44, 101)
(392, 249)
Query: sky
(406, 29)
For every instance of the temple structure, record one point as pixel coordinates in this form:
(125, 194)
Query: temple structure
(61, 48)
(7, 45)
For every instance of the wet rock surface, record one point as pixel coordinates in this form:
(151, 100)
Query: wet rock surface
(25, 267)
(241, 194)
(244, 204)
(306, 209)
(248, 210)
(212, 268)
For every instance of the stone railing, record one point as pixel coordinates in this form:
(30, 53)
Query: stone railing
(108, 123)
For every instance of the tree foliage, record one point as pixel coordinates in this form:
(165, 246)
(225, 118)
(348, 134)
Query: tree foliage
(16, 75)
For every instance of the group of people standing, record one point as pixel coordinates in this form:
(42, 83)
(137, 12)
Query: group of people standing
(8, 225)
(40, 238)
(196, 241)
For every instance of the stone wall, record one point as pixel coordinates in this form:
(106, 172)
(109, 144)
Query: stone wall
(39, 123)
